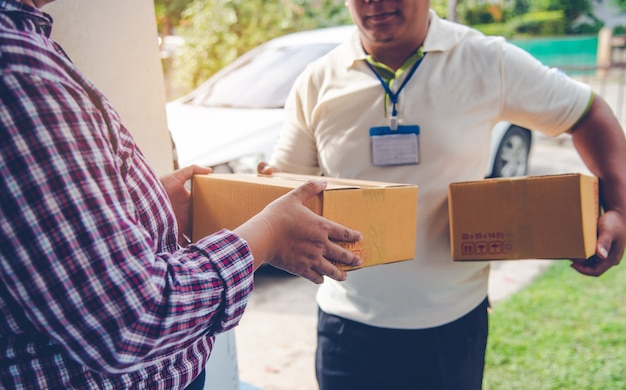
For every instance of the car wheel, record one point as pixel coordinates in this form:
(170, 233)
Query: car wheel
(511, 157)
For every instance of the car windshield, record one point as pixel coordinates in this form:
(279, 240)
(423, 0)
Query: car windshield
(260, 79)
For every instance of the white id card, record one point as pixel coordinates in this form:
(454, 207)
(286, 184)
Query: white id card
(395, 147)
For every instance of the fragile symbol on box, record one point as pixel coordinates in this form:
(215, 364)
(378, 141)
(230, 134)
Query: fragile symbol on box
(494, 247)
(468, 248)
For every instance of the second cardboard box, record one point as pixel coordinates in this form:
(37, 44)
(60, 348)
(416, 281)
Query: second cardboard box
(536, 217)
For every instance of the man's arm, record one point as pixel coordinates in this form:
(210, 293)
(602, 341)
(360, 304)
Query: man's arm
(599, 139)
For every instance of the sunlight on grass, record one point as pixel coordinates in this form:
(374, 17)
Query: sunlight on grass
(565, 331)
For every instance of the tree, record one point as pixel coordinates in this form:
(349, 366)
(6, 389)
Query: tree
(168, 14)
(451, 13)
(218, 31)
(530, 17)
(520, 7)
(572, 9)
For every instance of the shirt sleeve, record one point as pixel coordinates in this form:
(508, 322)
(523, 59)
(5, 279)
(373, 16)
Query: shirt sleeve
(540, 97)
(87, 255)
(296, 149)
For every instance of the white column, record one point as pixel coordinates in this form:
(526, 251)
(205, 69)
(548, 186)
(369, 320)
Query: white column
(222, 371)
(605, 49)
(115, 43)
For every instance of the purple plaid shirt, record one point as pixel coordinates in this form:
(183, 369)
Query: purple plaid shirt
(94, 291)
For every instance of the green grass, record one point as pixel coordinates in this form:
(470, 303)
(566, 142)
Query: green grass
(564, 331)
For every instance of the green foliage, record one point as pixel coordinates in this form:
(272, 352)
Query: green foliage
(501, 29)
(536, 17)
(541, 23)
(324, 13)
(573, 9)
(565, 331)
(620, 3)
(479, 15)
(440, 7)
(545, 23)
(168, 14)
(521, 7)
(218, 31)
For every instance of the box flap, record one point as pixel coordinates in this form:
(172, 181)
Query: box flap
(337, 183)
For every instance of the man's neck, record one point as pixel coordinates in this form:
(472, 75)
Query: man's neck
(395, 52)
(394, 57)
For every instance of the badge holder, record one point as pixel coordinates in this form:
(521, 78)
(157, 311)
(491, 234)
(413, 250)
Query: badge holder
(398, 146)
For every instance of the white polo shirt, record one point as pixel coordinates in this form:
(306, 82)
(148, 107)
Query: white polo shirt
(465, 85)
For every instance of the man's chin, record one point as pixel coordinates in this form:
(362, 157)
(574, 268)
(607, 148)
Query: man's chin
(381, 34)
(383, 38)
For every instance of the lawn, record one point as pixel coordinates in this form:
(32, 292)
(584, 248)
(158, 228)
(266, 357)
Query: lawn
(564, 331)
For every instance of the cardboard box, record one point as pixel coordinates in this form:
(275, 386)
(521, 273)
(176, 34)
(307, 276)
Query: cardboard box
(540, 217)
(385, 213)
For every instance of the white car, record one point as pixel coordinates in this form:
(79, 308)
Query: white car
(231, 121)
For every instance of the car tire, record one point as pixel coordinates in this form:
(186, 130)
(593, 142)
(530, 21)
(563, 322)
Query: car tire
(511, 158)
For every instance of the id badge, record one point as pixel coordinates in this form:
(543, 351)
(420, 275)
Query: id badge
(395, 147)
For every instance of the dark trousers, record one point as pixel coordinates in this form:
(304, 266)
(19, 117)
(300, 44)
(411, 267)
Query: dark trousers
(198, 383)
(351, 355)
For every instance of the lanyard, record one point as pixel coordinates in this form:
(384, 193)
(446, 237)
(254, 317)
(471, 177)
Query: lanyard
(395, 96)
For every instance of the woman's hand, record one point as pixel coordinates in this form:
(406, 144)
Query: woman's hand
(290, 236)
(175, 185)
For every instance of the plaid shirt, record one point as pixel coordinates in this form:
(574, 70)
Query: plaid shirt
(94, 291)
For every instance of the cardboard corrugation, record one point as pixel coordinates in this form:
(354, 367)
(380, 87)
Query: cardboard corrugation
(537, 217)
(385, 213)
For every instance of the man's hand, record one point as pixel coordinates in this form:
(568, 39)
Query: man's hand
(609, 247)
(264, 168)
(180, 198)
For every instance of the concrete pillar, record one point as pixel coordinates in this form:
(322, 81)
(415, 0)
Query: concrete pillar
(222, 370)
(115, 43)
(605, 48)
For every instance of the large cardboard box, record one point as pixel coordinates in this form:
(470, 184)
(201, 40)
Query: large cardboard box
(385, 213)
(540, 217)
